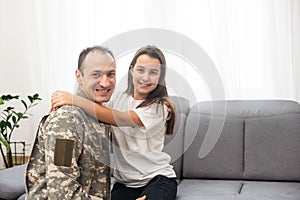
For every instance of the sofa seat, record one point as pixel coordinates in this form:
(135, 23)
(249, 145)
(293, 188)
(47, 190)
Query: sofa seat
(270, 190)
(194, 189)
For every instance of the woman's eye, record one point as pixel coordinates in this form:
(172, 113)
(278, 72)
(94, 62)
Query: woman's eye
(140, 70)
(153, 72)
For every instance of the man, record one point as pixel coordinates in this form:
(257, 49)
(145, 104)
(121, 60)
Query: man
(70, 156)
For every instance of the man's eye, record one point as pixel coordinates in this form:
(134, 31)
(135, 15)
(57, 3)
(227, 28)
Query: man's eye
(95, 75)
(111, 74)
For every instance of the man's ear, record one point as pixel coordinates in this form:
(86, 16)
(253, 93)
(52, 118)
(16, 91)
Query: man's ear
(78, 75)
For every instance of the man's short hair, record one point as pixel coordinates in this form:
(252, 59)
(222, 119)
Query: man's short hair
(86, 51)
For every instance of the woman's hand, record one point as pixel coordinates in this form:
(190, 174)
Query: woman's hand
(60, 98)
(171, 107)
(142, 198)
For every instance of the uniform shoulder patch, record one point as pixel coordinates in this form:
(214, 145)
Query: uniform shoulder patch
(63, 152)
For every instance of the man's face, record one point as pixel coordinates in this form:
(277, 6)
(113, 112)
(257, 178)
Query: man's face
(98, 77)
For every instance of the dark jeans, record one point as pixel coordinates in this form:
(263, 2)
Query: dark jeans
(158, 188)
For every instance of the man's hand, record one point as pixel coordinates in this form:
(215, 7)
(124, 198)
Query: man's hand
(142, 198)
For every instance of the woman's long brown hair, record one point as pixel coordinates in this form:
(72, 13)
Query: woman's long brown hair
(159, 94)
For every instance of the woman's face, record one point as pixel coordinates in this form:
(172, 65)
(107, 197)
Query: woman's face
(145, 76)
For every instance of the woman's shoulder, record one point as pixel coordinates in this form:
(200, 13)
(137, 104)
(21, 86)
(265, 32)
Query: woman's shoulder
(119, 98)
(156, 107)
(120, 95)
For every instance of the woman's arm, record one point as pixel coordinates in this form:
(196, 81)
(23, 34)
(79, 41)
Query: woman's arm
(102, 113)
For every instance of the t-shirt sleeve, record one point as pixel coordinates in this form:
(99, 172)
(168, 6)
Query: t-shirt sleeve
(117, 95)
(153, 116)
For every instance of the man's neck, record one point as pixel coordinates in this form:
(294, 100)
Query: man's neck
(80, 92)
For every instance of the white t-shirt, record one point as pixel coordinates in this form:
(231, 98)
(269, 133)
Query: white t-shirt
(137, 151)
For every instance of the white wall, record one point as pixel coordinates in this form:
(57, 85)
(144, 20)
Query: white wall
(20, 69)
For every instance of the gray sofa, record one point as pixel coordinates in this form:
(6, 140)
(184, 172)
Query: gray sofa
(228, 150)
(256, 153)
(12, 182)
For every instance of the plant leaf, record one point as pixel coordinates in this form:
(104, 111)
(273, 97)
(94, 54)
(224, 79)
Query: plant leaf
(24, 103)
(9, 108)
(36, 97)
(9, 97)
(14, 119)
(8, 124)
(2, 124)
(20, 115)
(30, 99)
(8, 117)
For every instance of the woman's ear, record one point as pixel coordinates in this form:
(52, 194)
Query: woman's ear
(131, 70)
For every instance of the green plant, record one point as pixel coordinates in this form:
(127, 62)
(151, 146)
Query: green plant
(10, 119)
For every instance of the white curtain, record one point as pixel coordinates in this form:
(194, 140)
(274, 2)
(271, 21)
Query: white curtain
(257, 47)
(254, 44)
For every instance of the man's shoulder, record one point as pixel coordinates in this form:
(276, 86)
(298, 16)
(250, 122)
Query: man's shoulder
(66, 111)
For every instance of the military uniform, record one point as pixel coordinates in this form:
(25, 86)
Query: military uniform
(70, 157)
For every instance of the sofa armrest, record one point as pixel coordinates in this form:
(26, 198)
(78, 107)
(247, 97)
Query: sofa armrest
(12, 182)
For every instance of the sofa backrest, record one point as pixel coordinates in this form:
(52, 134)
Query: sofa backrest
(249, 139)
(174, 142)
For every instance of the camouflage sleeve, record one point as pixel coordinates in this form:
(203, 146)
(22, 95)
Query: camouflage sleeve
(63, 147)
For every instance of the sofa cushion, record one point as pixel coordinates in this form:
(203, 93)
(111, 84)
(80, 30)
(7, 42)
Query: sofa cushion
(208, 189)
(12, 182)
(270, 190)
(243, 109)
(272, 150)
(182, 104)
(174, 142)
(22, 197)
(225, 160)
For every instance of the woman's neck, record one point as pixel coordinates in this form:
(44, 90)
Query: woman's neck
(139, 97)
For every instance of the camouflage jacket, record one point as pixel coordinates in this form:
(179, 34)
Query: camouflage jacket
(70, 157)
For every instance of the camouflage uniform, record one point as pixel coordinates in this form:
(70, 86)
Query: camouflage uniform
(70, 157)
